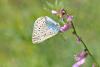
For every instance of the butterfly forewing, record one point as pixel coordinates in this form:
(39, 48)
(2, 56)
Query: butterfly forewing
(44, 28)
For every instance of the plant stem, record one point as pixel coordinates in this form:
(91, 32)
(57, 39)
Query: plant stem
(65, 15)
(75, 33)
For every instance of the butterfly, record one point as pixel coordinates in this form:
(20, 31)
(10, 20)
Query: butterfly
(44, 28)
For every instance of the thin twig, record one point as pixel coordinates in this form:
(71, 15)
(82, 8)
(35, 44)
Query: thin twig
(63, 15)
(75, 33)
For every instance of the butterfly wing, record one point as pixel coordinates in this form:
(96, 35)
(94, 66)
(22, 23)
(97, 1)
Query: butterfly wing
(44, 28)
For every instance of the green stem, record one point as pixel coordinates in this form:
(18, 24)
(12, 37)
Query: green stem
(75, 33)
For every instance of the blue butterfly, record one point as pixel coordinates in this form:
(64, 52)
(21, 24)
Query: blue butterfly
(44, 28)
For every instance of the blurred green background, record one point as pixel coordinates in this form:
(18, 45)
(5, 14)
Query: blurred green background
(16, 22)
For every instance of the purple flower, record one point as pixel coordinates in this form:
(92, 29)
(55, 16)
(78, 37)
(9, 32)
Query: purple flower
(79, 63)
(81, 55)
(69, 18)
(93, 65)
(65, 27)
(80, 58)
(78, 39)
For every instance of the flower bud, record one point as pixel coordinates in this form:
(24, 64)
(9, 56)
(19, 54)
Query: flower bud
(65, 27)
(69, 18)
(54, 12)
(80, 58)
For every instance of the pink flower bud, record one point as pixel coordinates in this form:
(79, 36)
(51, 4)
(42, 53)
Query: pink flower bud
(80, 58)
(65, 27)
(78, 39)
(81, 55)
(79, 63)
(93, 65)
(54, 12)
(69, 18)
